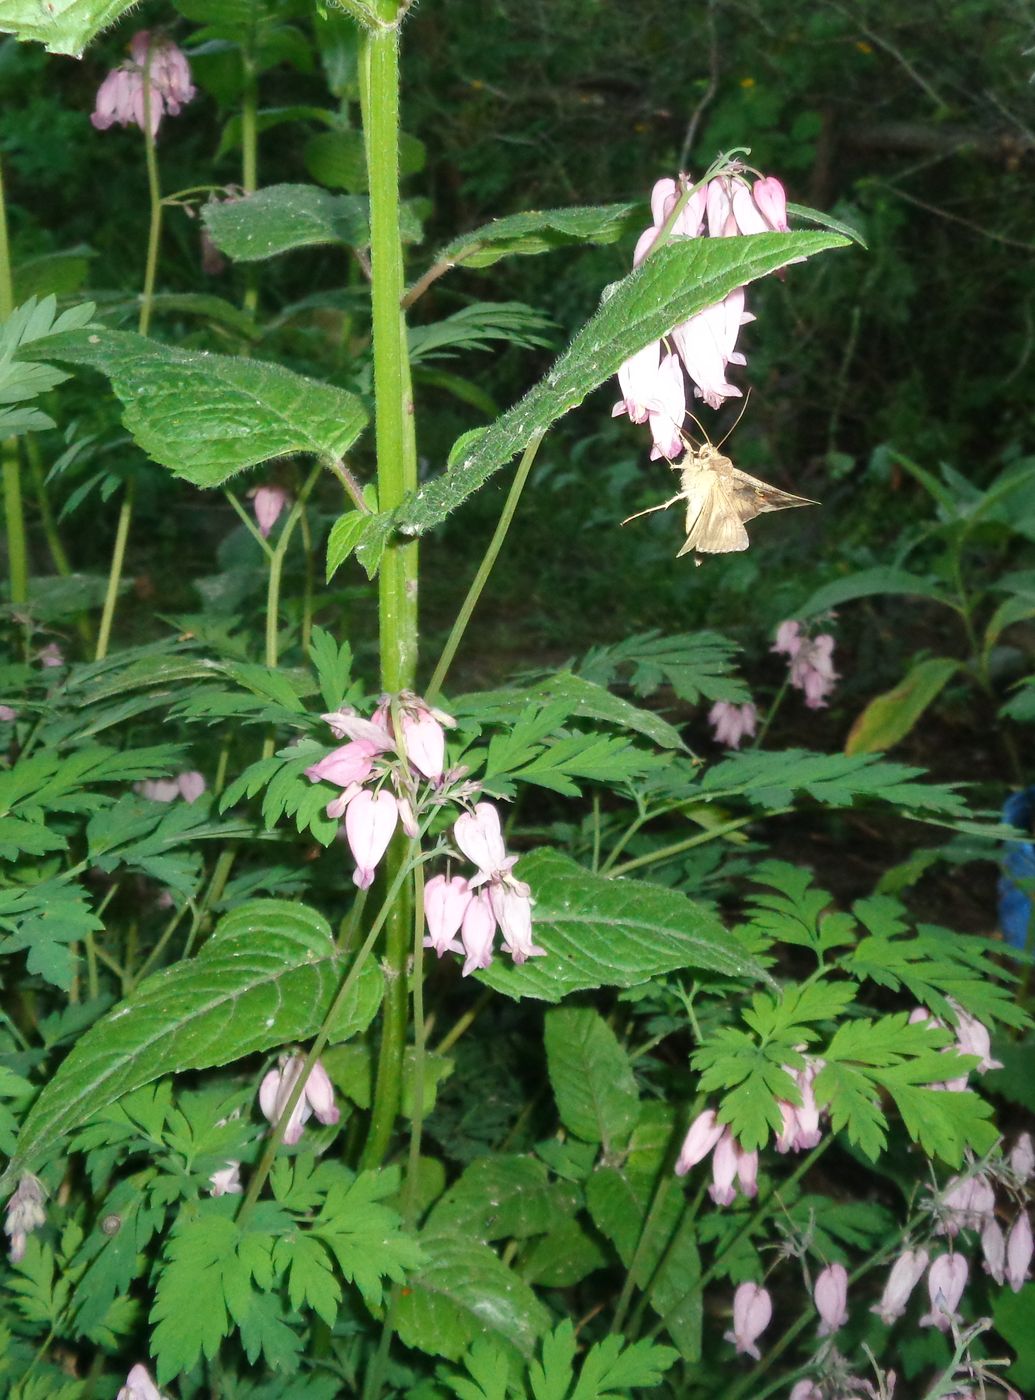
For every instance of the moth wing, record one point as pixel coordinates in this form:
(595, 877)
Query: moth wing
(713, 522)
(754, 497)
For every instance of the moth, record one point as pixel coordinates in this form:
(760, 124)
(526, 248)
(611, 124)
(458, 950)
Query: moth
(720, 499)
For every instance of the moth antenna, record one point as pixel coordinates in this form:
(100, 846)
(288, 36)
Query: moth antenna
(704, 430)
(736, 421)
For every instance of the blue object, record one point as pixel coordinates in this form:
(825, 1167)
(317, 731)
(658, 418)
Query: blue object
(1015, 904)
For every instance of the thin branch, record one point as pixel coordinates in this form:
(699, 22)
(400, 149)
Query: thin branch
(956, 218)
(710, 90)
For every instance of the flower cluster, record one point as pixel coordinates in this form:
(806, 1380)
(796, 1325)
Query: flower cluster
(730, 1162)
(25, 1213)
(317, 1097)
(972, 1038)
(376, 754)
(474, 907)
(811, 662)
(652, 384)
(160, 65)
(386, 778)
(731, 723)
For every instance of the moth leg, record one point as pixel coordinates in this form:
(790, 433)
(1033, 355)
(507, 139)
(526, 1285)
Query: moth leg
(651, 509)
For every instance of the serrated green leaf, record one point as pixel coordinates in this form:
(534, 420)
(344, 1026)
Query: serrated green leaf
(500, 1198)
(541, 231)
(592, 1080)
(681, 278)
(694, 664)
(266, 977)
(461, 1292)
(208, 416)
(345, 536)
(365, 1236)
(64, 26)
(612, 933)
(281, 218)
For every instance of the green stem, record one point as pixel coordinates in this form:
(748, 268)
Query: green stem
(650, 1224)
(678, 847)
(118, 553)
(420, 1037)
(463, 617)
(39, 485)
(14, 509)
(396, 477)
(250, 165)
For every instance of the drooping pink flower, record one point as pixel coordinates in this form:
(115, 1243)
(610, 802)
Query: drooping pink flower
(477, 932)
(51, 656)
(317, 1097)
(702, 342)
(268, 502)
(730, 1162)
(704, 1132)
(480, 837)
(1019, 1248)
(139, 1386)
(159, 789)
(731, 723)
(370, 821)
(7, 714)
(831, 1298)
(511, 903)
(805, 1390)
(752, 1312)
(120, 98)
(226, 1181)
(637, 379)
(24, 1213)
(1022, 1158)
(191, 785)
(169, 69)
(945, 1284)
(972, 1038)
(965, 1204)
(666, 412)
(445, 903)
(906, 1272)
(747, 1172)
(424, 737)
(993, 1247)
(351, 763)
(788, 638)
(801, 1130)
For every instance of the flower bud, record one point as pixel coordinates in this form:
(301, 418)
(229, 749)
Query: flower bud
(268, 502)
(139, 1386)
(993, 1246)
(724, 1170)
(226, 1181)
(191, 785)
(1022, 1158)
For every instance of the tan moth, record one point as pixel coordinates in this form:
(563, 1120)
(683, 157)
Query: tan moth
(720, 499)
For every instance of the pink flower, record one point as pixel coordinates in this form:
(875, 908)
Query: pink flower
(972, 1038)
(268, 502)
(771, 200)
(637, 379)
(906, 1272)
(801, 1131)
(511, 904)
(477, 932)
(159, 789)
(666, 412)
(831, 1298)
(25, 1213)
(704, 1132)
(732, 723)
(51, 655)
(805, 1390)
(752, 1311)
(351, 763)
(445, 903)
(424, 737)
(7, 714)
(317, 1097)
(370, 821)
(139, 1386)
(480, 837)
(226, 1181)
(945, 1284)
(965, 1204)
(191, 785)
(120, 97)
(730, 1162)
(1018, 1252)
(1022, 1158)
(703, 346)
(993, 1246)
(788, 638)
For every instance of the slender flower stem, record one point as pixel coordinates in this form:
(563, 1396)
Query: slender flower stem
(463, 617)
(420, 1037)
(678, 847)
(250, 165)
(14, 510)
(118, 554)
(396, 477)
